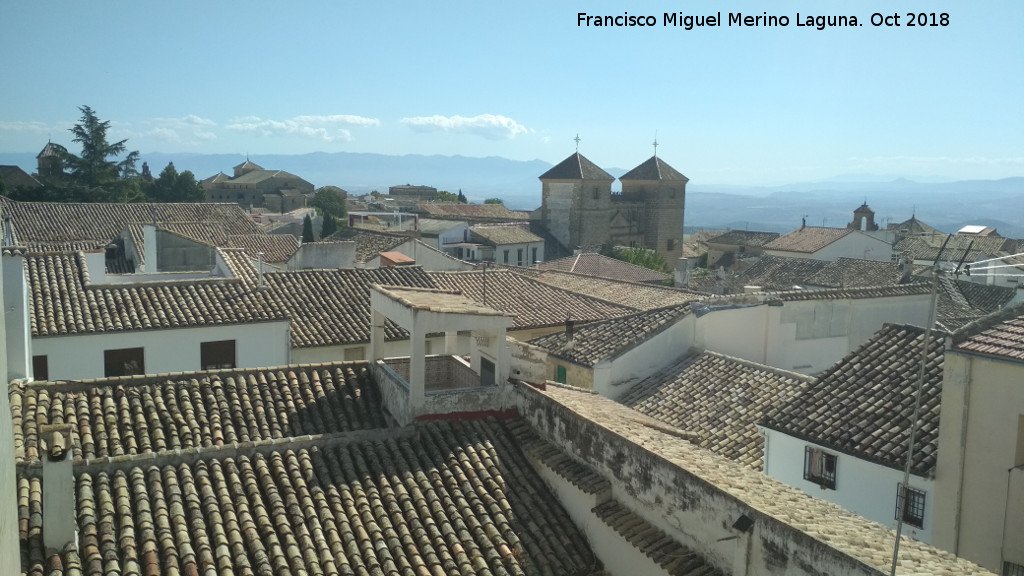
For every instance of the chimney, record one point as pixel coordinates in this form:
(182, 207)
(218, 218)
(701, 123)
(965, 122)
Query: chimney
(570, 333)
(682, 273)
(577, 251)
(906, 267)
(59, 525)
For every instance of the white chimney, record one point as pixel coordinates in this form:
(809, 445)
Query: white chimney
(682, 273)
(59, 524)
(570, 334)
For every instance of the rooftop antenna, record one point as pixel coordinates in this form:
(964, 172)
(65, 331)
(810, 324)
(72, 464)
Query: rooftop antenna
(577, 139)
(901, 500)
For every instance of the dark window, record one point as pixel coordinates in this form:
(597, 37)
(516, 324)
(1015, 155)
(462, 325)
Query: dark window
(487, 372)
(595, 192)
(1013, 569)
(560, 374)
(40, 368)
(124, 362)
(534, 261)
(913, 511)
(520, 256)
(506, 256)
(820, 467)
(671, 244)
(218, 354)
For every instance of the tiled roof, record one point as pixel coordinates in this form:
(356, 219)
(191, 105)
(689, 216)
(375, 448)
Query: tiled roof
(576, 167)
(744, 238)
(808, 239)
(63, 301)
(369, 244)
(1000, 334)
(654, 168)
(53, 222)
(153, 414)
(433, 227)
(249, 164)
(823, 522)
(260, 175)
(927, 247)
(329, 307)
(769, 272)
(534, 303)
(15, 177)
(961, 302)
(52, 149)
(634, 295)
(594, 264)
(863, 404)
(719, 398)
(504, 234)
(442, 498)
(915, 289)
(472, 211)
(913, 227)
(697, 243)
(275, 247)
(599, 341)
(856, 273)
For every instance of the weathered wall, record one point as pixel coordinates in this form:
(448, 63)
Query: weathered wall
(323, 256)
(10, 548)
(693, 511)
(558, 199)
(656, 353)
(982, 407)
(863, 487)
(80, 356)
(177, 254)
(17, 323)
(528, 362)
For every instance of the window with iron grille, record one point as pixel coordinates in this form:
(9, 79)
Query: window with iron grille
(913, 511)
(820, 467)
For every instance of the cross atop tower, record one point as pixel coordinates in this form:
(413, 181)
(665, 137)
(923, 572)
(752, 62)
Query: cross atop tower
(577, 139)
(655, 144)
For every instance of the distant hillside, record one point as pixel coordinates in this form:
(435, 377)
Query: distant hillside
(945, 205)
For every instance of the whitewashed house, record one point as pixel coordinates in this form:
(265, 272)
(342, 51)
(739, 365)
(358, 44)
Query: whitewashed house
(844, 437)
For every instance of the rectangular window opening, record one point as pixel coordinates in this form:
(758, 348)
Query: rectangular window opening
(124, 362)
(40, 368)
(820, 467)
(913, 510)
(217, 355)
(560, 374)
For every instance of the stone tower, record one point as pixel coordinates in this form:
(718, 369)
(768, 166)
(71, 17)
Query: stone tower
(863, 219)
(661, 190)
(576, 202)
(50, 161)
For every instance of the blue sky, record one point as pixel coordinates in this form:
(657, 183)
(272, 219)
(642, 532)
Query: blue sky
(729, 105)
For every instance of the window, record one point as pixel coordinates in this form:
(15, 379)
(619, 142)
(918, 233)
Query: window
(218, 354)
(355, 353)
(520, 256)
(560, 374)
(820, 467)
(534, 261)
(1019, 460)
(671, 244)
(913, 511)
(40, 368)
(1013, 569)
(124, 362)
(506, 256)
(595, 192)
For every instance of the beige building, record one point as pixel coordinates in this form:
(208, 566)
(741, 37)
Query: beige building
(252, 186)
(980, 476)
(579, 209)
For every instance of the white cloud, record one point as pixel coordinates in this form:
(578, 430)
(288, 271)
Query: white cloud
(490, 126)
(25, 126)
(326, 128)
(186, 129)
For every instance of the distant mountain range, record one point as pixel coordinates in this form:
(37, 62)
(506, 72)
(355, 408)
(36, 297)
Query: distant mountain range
(944, 205)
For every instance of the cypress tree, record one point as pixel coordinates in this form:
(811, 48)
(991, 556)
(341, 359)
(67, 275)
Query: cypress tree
(307, 229)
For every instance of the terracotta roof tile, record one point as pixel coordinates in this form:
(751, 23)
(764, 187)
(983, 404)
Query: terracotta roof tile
(856, 273)
(744, 238)
(504, 234)
(276, 248)
(1001, 334)
(719, 398)
(654, 168)
(640, 296)
(534, 303)
(576, 167)
(604, 340)
(863, 404)
(369, 244)
(594, 264)
(472, 211)
(808, 239)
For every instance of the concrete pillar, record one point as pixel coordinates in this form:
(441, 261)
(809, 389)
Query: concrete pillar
(16, 317)
(417, 368)
(451, 343)
(59, 526)
(149, 249)
(10, 551)
(501, 354)
(376, 336)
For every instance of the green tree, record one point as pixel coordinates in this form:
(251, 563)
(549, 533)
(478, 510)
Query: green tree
(462, 197)
(329, 227)
(643, 257)
(330, 202)
(96, 174)
(445, 196)
(171, 186)
(307, 229)
(494, 201)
